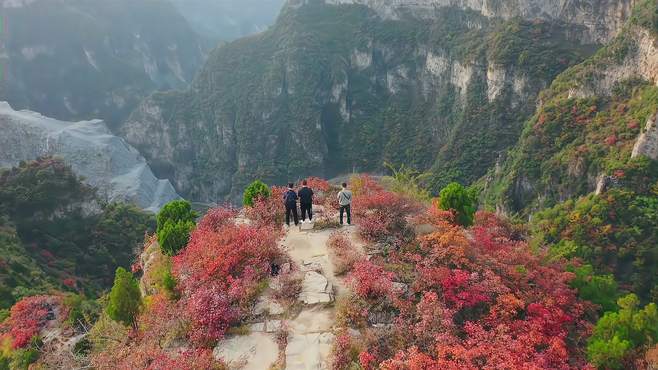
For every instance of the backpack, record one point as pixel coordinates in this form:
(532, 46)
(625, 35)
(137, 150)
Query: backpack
(290, 198)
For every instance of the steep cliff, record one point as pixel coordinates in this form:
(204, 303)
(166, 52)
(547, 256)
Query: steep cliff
(105, 161)
(594, 127)
(335, 88)
(84, 59)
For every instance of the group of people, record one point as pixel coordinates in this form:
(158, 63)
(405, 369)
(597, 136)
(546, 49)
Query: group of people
(305, 198)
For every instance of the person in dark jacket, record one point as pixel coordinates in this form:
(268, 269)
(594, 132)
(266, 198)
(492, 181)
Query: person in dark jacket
(306, 201)
(290, 201)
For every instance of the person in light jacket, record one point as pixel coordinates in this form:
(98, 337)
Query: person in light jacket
(345, 203)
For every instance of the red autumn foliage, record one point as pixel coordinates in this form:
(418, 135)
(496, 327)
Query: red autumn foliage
(27, 317)
(318, 184)
(343, 253)
(484, 301)
(211, 313)
(268, 212)
(370, 280)
(611, 140)
(383, 214)
(69, 282)
(219, 270)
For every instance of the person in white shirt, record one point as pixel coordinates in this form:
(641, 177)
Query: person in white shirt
(345, 203)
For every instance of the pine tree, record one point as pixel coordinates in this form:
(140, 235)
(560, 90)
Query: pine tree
(125, 298)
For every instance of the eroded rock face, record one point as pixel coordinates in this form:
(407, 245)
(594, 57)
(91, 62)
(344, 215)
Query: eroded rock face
(600, 20)
(647, 143)
(105, 161)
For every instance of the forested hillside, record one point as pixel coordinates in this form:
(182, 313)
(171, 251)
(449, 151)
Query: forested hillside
(331, 89)
(55, 234)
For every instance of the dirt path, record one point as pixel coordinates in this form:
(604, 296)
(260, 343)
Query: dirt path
(310, 334)
(310, 328)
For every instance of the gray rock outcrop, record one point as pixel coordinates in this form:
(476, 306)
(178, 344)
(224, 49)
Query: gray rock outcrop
(647, 143)
(105, 161)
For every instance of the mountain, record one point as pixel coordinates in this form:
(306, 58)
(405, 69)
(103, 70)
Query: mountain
(105, 161)
(592, 129)
(335, 87)
(85, 59)
(229, 19)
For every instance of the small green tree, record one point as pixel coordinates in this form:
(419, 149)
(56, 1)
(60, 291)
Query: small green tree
(598, 289)
(175, 223)
(125, 298)
(460, 200)
(177, 210)
(617, 333)
(255, 190)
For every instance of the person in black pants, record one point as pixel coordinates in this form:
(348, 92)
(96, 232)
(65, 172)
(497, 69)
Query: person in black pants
(290, 200)
(345, 203)
(306, 201)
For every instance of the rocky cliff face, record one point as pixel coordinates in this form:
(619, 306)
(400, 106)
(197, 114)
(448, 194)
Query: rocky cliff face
(593, 21)
(84, 59)
(335, 88)
(105, 161)
(590, 125)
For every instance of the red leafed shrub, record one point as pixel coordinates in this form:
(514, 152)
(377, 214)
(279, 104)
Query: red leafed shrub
(340, 353)
(27, 317)
(633, 124)
(479, 298)
(370, 281)
(367, 360)
(318, 184)
(611, 140)
(343, 253)
(217, 218)
(211, 314)
(221, 257)
(69, 282)
(383, 214)
(268, 212)
(364, 184)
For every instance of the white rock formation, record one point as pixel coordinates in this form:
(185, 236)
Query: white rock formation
(647, 143)
(105, 161)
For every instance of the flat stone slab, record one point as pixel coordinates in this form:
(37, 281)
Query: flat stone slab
(256, 351)
(308, 351)
(267, 305)
(316, 289)
(306, 226)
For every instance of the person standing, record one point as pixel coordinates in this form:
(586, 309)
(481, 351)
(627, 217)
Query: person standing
(345, 203)
(290, 201)
(306, 201)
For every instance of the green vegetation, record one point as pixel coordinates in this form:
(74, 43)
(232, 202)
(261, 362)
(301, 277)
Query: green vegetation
(347, 115)
(125, 298)
(599, 289)
(618, 333)
(615, 232)
(254, 191)
(175, 223)
(55, 234)
(460, 200)
(407, 181)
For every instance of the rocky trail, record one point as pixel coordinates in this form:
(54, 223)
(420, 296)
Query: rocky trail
(297, 337)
